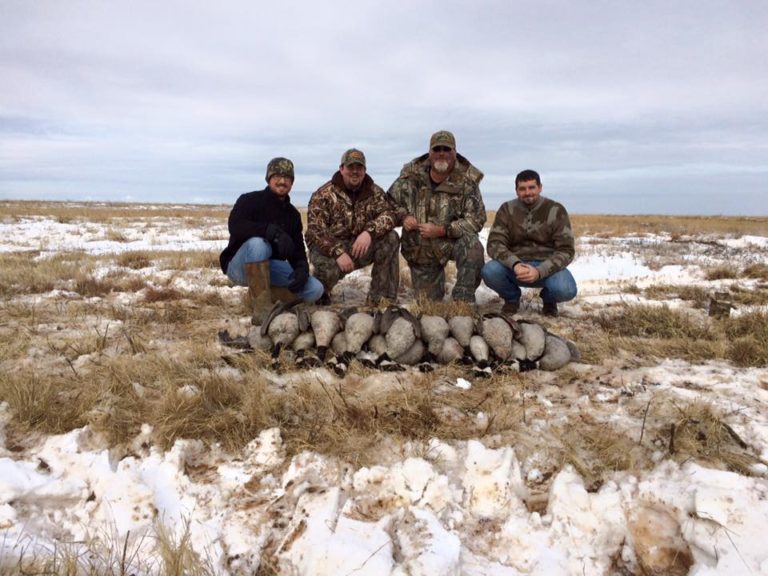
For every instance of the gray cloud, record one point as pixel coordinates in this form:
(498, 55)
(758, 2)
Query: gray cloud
(187, 101)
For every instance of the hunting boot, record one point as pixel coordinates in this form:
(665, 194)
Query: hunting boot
(257, 274)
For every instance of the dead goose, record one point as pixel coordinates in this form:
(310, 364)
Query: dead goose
(481, 353)
(498, 333)
(358, 330)
(533, 338)
(452, 351)
(557, 353)
(434, 329)
(282, 330)
(400, 336)
(413, 355)
(340, 361)
(325, 324)
(303, 345)
(462, 328)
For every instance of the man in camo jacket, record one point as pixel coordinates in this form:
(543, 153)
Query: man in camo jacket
(441, 211)
(350, 224)
(531, 243)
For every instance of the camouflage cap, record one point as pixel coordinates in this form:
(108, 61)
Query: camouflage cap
(280, 167)
(442, 138)
(352, 156)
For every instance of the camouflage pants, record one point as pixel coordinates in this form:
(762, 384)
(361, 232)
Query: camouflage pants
(384, 254)
(429, 279)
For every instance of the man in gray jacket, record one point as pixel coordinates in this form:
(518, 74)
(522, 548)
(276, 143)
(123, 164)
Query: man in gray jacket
(531, 243)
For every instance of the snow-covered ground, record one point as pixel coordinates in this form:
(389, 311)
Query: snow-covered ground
(451, 507)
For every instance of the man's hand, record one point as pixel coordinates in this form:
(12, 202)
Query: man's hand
(282, 243)
(526, 273)
(298, 279)
(345, 263)
(410, 223)
(361, 245)
(431, 230)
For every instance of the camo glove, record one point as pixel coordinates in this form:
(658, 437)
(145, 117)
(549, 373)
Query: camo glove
(298, 278)
(282, 244)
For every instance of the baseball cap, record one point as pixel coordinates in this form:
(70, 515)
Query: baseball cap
(353, 156)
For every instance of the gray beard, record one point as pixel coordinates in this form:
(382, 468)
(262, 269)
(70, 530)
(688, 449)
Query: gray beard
(441, 166)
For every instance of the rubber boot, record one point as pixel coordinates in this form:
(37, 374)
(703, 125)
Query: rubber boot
(257, 274)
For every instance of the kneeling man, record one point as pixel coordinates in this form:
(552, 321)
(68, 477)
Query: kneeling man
(350, 225)
(266, 247)
(531, 243)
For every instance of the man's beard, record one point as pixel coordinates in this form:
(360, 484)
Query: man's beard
(441, 166)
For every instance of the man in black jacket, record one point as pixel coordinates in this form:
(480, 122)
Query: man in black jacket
(266, 246)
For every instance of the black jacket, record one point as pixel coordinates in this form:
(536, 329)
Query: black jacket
(250, 216)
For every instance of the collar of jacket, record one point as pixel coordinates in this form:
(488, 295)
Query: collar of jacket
(366, 188)
(275, 199)
(538, 203)
(463, 167)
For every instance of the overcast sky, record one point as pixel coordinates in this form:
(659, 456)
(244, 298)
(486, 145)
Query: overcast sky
(622, 106)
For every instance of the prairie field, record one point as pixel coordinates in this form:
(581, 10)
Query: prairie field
(133, 441)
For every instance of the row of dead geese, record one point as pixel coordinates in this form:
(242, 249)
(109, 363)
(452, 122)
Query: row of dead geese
(394, 338)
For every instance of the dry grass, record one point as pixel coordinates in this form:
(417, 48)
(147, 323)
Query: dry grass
(698, 296)
(644, 321)
(158, 552)
(759, 271)
(135, 260)
(597, 449)
(721, 273)
(697, 431)
(107, 212)
(676, 226)
(748, 339)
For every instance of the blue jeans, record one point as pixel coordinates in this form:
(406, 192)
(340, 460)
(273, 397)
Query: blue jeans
(559, 287)
(257, 249)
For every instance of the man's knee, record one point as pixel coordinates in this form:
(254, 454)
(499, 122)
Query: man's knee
(313, 290)
(256, 249)
(469, 252)
(492, 271)
(564, 286)
(390, 241)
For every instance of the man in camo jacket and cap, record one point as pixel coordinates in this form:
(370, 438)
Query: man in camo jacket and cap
(350, 224)
(266, 248)
(441, 211)
(531, 243)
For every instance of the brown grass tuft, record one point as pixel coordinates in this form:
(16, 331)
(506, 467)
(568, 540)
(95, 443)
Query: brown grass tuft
(653, 322)
(759, 271)
(134, 259)
(721, 273)
(701, 433)
(748, 339)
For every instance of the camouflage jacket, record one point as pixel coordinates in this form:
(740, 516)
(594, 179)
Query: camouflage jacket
(455, 203)
(541, 232)
(335, 214)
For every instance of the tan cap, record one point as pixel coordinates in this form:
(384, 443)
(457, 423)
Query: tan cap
(442, 138)
(353, 156)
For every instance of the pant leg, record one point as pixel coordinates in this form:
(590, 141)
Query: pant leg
(325, 269)
(469, 256)
(253, 250)
(256, 250)
(559, 287)
(501, 280)
(385, 273)
(280, 275)
(428, 281)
